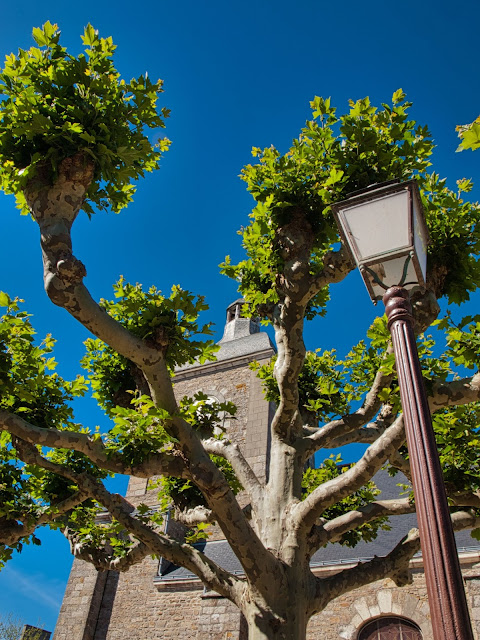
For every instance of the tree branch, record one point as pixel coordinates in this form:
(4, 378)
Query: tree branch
(160, 544)
(306, 512)
(332, 530)
(164, 463)
(193, 464)
(120, 509)
(336, 266)
(231, 452)
(395, 565)
(338, 430)
(102, 559)
(55, 208)
(454, 393)
(11, 532)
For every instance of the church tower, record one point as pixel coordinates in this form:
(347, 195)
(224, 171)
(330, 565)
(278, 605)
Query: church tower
(155, 600)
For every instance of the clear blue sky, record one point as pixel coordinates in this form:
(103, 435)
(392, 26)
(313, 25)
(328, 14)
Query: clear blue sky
(237, 75)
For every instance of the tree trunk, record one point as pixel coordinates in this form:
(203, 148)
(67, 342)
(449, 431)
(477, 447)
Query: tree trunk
(287, 622)
(270, 628)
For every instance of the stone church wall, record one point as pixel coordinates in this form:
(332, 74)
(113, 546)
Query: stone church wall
(133, 608)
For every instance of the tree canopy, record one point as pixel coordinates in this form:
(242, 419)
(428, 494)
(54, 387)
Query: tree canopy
(73, 137)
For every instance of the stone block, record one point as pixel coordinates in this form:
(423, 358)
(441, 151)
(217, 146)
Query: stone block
(362, 608)
(384, 599)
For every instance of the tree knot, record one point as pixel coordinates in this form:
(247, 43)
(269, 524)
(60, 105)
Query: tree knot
(70, 270)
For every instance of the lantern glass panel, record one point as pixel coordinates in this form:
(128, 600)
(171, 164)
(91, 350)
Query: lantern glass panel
(380, 226)
(420, 238)
(390, 272)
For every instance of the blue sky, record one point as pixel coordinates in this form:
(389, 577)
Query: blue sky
(236, 75)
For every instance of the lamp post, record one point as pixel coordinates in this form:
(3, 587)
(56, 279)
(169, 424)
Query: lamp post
(385, 230)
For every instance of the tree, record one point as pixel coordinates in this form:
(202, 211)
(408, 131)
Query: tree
(13, 628)
(10, 627)
(72, 137)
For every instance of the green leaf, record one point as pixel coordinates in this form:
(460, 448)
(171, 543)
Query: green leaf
(39, 36)
(90, 35)
(398, 96)
(4, 299)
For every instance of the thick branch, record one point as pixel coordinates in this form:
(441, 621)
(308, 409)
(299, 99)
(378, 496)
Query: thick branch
(454, 393)
(294, 241)
(425, 308)
(464, 498)
(120, 509)
(333, 491)
(338, 430)
(11, 531)
(55, 208)
(288, 324)
(395, 565)
(231, 452)
(297, 289)
(195, 465)
(336, 266)
(332, 530)
(181, 554)
(157, 464)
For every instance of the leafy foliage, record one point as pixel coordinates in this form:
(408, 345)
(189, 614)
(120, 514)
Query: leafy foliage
(454, 229)
(168, 324)
(458, 440)
(138, 430)
(322, 388)
(463, 340)
(56, 105)
(332, 468)
(470, 135)
(28, 381)
(333, 157)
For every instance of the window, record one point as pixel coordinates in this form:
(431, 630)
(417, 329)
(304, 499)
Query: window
(391, 628)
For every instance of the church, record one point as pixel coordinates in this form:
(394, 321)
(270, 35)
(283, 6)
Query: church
(156, 600)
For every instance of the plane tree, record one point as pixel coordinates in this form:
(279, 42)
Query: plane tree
(74, 137)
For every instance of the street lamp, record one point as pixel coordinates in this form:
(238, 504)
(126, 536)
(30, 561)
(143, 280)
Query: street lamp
(384, 228)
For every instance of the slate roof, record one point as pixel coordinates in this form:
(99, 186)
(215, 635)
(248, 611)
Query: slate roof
(333, 554)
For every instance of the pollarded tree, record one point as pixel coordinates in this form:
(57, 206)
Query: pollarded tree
(72, 137)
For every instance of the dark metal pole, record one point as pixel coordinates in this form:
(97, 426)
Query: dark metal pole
(446, 594)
